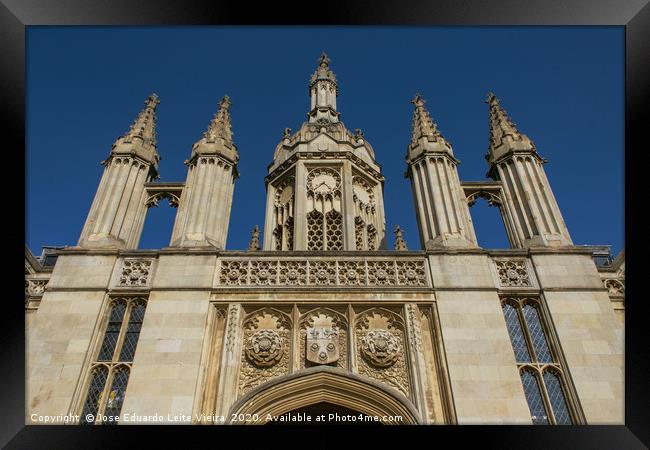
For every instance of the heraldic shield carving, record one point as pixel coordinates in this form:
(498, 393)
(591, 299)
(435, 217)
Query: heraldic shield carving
(322, 345)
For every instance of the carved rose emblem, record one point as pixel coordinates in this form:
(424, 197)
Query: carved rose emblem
(264, 348)
(380, 348)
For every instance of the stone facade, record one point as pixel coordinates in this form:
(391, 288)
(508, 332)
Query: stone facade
(323, 313)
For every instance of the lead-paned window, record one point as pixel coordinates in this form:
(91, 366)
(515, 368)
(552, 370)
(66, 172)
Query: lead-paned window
(540, 370)
(109, 373)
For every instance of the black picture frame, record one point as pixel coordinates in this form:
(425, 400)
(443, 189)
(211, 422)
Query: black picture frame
(634, 15)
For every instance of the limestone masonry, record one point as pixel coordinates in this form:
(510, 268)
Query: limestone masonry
(318, 318)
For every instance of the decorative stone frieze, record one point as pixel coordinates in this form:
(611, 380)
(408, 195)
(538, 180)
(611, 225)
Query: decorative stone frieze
(343, 272)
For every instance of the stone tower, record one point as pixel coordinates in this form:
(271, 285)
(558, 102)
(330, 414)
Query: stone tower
(117, 213)
(514, 161)
(204, 207)
(324, 187)
(442, 213)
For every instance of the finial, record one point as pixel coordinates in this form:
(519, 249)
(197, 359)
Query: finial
(220, 126)
(423, 125)
(144, 126)
(324, 61)
(418, 100)
(254, 243)
(400, 243)
(287, 133)
(502, 128)
(225, 102)
(491, 98)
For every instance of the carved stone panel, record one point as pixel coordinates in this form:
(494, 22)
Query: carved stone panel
(323, 319)
(615, 287)
(266, 352)
(381, 353)
(135, 273)
(513, 273)
(322, 345)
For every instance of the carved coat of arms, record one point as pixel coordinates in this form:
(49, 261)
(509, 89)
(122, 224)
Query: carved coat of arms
(322, 345)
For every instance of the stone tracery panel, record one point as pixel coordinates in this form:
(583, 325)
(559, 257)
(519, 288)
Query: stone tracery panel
(513, 273)
(135, 272)
(339, 272)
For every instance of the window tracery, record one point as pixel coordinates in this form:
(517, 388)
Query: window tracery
(538, 361)
(109, 373)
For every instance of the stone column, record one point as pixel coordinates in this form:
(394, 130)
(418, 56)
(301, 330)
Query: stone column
(300, 220)
(230, 360)
(417, 364)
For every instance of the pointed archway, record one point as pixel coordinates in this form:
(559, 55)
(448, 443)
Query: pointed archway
(328, 385)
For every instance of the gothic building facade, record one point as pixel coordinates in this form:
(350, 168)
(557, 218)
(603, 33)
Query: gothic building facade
(318, 315)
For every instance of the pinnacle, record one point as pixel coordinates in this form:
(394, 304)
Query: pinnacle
(324, 61)
(220, 126)
(418, 100)
(501, 126)
(323, 71)
(144, 126)
(423, 125)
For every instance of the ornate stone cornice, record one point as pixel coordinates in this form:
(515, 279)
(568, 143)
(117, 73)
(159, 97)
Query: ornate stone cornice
(279, 170)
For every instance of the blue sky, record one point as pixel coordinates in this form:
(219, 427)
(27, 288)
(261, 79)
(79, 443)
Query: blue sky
(562, 86)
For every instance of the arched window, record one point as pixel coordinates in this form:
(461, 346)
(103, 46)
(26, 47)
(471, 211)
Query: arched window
(109, 373)
(556, 396)
(534, 398)
(538, 361)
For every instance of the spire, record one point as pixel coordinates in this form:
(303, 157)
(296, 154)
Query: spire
(217, 139)
(424, 127)
(400, 243)
(323, 91)
(144, 126)
(503, 130)
(220, 126)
